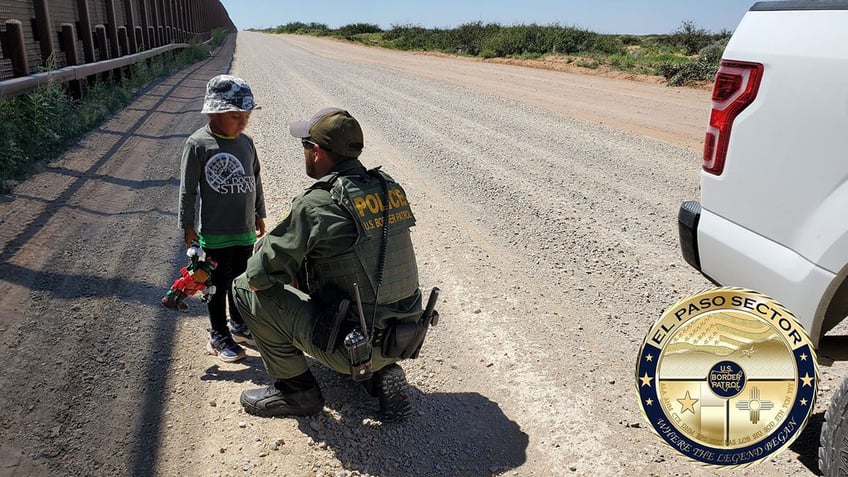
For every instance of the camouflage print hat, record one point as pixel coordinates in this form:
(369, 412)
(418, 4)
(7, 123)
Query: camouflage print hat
(333, 129)
(227, 93)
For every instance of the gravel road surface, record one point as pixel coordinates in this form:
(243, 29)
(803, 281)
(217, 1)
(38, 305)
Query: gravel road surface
(546, 205)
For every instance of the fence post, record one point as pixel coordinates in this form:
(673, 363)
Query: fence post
(152, 36)
(192, 14)
(123, 39)
(172, 9)
(103, 46)
(16, 48)
(139, 37)
(132, 48)
(102, 42)
(85, 31)
(157, 23)
(68, 43)
(112, 28)
(142, 15)
(166, 20)
(45, 37)
(179, 6)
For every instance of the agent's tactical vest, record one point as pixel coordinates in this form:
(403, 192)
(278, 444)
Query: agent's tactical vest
(372, 206)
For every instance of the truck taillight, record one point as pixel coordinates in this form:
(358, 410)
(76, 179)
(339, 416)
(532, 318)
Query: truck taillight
(735, 88)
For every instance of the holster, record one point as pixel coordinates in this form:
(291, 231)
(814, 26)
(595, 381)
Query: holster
(331, 321)
(404, 340)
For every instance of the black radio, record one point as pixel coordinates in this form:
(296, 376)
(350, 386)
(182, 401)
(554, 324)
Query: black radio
(358, 345)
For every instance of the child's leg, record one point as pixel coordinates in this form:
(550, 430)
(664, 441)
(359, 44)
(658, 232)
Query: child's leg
(222, 279)
(239, 265)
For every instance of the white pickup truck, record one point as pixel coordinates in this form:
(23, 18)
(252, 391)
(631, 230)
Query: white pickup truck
(773, 214)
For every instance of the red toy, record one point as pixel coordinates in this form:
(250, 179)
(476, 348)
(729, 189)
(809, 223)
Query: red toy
(196, 277)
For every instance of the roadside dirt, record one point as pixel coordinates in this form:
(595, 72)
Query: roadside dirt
(546, 204)
(639, 104)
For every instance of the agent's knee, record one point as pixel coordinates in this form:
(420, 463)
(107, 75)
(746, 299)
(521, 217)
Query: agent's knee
(244, 299)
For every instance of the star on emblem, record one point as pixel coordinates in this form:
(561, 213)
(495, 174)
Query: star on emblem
(687, 403)
(808, 380)
(649, 358)
(804, 401)
(646, 380)
(649, 402)
(803, 356)
(746, 353)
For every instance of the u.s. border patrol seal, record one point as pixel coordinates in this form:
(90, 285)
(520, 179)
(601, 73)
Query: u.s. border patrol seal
(727, 377)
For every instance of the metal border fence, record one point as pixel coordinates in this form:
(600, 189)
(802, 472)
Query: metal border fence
(70, 40)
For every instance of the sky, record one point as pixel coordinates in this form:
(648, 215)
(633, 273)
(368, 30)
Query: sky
(637, 17)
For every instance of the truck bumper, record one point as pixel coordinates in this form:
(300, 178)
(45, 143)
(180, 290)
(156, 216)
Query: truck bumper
(687, 228)
(731, 255)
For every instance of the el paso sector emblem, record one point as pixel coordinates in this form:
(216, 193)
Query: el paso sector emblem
(727, 377)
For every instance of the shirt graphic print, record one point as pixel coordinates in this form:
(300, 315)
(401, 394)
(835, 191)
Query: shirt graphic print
(225, 175)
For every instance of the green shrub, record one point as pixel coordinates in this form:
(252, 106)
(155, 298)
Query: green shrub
(570, 41)
(370, 39)
(712, 52)
(691, 38)
(679, 74)
(348, 32)
(468, 38)
(623, 62)
(590, 63)
(408, 37)
(218, 37)
(630, 40)
(505, 42)
(319, 29)
(607, 45)
(11, 154)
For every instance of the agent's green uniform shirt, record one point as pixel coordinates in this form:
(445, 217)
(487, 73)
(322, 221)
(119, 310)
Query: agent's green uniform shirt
(316, 226)
(320, 243)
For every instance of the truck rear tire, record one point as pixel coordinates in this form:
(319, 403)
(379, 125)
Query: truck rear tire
(833, 441)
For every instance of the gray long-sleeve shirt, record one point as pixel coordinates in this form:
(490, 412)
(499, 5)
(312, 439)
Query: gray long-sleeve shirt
(225, 172)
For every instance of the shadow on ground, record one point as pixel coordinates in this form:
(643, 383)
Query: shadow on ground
(449, 434)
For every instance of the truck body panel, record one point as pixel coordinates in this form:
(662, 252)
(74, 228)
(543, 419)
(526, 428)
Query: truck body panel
(775, 219)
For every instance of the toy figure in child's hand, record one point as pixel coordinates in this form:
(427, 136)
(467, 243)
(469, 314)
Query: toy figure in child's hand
(196, 277)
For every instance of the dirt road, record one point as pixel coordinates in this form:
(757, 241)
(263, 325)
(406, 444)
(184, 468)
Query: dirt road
(546, 206)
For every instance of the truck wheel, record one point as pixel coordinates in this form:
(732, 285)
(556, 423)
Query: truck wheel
(833, 450)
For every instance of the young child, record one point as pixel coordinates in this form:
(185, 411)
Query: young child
(220, 163)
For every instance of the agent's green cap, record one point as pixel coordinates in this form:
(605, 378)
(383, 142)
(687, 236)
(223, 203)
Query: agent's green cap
(333, 129)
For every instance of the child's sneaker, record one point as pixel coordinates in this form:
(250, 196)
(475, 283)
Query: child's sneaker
(241, 333)
(224, 347)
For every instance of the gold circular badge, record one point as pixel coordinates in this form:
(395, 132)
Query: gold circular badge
(727, 377)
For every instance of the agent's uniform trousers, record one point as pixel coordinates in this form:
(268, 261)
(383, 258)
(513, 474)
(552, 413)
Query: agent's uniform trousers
(281, 319)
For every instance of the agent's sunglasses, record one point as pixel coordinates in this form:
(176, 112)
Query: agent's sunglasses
(308, 143)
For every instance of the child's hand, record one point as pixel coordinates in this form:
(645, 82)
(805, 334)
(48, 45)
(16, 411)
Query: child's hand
(260, 227)
(190, 236)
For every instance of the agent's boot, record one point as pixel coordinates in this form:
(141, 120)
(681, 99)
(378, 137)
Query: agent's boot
(389, 385)
(297, 396)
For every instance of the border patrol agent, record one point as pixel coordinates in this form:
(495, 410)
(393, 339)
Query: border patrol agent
(333, 247)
